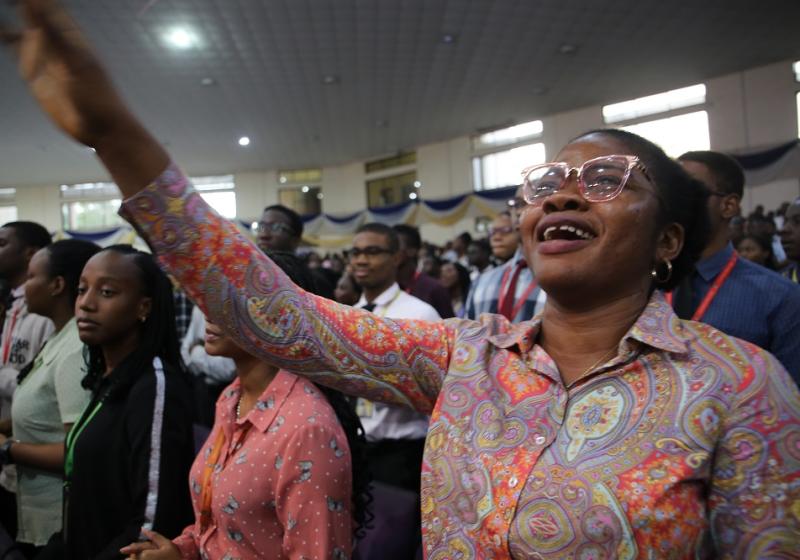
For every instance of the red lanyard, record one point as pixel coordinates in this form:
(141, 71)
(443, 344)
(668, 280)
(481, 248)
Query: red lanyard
(522, 299)
(712, 292)
(9, 335)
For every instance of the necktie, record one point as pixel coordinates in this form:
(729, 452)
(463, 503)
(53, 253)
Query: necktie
(506, 306)
(369, 307)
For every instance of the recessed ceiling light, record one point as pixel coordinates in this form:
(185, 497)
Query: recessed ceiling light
(180, 38)
(319, 196)
(208, 82)
(417, 184)
(305, 188)
(330, 79)
(244, 141)
(540, 90)
(381, 123)
(567, 48)
(449, 38)
(412, 195)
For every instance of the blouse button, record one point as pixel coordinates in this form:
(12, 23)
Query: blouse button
(539, 440)
(513, 481)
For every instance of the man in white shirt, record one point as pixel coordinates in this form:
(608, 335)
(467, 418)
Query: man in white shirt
(395, 434)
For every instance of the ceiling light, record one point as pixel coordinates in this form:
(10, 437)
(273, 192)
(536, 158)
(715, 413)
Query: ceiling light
(541, 90)
(417, 184)
(449, 38)
(381, 123)
(412, 195)
(330, 79)
(567, 48)
(208, 82)
(319, 196)
(244, 141)
(181, 38)
(305, 188)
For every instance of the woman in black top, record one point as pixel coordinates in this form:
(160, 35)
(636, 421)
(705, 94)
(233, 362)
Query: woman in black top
(128, 457)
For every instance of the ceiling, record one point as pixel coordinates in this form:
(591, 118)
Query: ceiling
(399, 84)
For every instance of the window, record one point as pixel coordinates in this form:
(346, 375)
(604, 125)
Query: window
(503, 169)
(219, 192)
(305, 200)
(399, 160)
(90, 206)
(8, 209)
(796, 68)
(395, 189)
(94, 206)
(500, 155)
(680, 123)
(300, 176)
(678, 134)
(655, 104)
(506, 136)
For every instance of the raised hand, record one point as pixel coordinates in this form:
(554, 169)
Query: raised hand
(63, 74)
(68, 81)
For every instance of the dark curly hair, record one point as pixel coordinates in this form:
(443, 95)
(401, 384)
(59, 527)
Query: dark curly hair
(300, 274)
(683, 199)
(158, 334)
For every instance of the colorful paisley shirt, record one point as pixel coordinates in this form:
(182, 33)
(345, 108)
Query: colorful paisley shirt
(684, 445)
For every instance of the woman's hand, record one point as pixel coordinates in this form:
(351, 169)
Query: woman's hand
(63, 74)
(158, 547)
(68, 81)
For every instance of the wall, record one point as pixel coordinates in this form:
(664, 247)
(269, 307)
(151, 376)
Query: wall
(747, 111)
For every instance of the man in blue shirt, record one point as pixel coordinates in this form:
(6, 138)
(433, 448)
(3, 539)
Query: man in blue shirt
(510, 289)
(736, 296)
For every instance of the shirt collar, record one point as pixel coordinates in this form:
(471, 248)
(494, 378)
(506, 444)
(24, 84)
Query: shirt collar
(385, 298)
(709, 267)
(657, 326)
(264, 413)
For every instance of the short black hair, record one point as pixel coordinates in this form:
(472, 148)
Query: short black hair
(382, 229)
(295, 222)
(410, 234)
(683, 198)
(67, 259)
(728, 174)
(465, 237)
(30, 234)
(483, 244)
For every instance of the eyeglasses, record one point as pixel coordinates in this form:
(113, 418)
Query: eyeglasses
(504, 230)
(371, 251)
(599, 180)
(274, 227)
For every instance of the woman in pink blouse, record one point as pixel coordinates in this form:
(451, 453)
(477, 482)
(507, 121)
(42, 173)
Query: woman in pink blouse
(275, 477)
(604, 428)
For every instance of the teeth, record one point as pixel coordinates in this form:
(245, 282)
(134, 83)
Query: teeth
(548, 233)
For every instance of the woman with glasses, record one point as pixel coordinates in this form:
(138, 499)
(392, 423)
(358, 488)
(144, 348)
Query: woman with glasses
(605, 427)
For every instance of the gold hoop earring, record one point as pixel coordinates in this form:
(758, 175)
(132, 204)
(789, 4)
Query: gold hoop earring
(654, 273)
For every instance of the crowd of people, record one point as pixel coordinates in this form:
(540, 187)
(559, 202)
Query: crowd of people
(612, 372)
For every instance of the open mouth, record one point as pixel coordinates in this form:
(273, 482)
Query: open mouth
(566, 232)
(564, 229)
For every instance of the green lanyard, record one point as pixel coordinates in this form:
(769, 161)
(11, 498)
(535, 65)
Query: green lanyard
(72, 437)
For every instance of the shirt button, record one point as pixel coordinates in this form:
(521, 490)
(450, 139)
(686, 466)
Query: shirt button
(513, 481)
(539, 440)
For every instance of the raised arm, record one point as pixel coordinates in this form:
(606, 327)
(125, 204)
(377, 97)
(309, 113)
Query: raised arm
(68, 81)
(239, 288)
